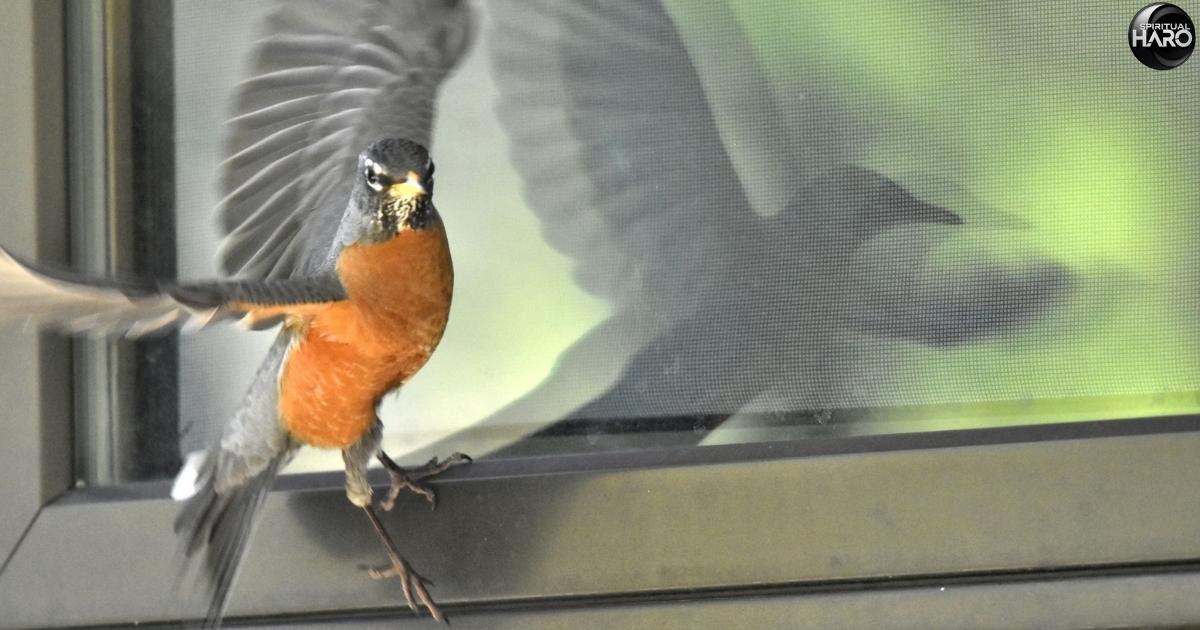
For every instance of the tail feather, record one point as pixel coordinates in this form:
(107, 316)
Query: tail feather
(222, 524)
(230, 485)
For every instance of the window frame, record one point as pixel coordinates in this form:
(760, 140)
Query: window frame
(978, 512)
(940, 529)
(37, 447)
(120, 134)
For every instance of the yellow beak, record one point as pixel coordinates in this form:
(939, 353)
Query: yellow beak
(410, 187)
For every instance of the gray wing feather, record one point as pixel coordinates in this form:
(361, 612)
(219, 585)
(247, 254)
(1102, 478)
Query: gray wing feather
(59, 300)
(72, 303)
(329, 78)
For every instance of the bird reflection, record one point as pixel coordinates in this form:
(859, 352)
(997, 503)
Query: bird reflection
(748, 260)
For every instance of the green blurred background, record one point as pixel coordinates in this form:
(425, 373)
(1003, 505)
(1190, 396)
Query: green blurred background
(1040, 111)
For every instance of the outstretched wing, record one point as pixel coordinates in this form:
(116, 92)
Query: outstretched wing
(328, 78)
(66, 301)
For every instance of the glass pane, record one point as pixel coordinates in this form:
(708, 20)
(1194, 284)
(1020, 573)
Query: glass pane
(701, 223)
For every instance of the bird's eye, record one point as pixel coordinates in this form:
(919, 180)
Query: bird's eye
(374, 176)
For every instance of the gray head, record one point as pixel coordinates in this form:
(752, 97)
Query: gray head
(393, 189)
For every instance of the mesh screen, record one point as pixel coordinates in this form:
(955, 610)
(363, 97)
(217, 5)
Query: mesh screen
(712, 222)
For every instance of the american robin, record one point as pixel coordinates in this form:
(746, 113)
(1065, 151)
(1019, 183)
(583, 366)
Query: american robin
(340, 246)
(326, 78)
(350, 334)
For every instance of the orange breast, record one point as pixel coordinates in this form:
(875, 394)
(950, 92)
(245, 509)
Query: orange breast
(347, 355)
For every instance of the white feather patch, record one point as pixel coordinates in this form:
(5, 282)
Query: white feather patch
(185, 486)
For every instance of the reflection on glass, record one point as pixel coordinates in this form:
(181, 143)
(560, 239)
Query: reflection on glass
(706, 223)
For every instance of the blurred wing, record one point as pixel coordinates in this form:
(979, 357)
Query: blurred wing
(614, 136)
(329, 78)
(72, 303)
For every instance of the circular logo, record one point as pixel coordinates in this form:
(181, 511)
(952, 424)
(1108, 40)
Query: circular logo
(1162, 36)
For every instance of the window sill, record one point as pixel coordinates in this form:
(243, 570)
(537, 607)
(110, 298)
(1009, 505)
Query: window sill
(962, 509)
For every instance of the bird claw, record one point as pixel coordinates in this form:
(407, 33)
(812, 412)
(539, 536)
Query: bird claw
(411, 480)
(404, 481)
(411, 583)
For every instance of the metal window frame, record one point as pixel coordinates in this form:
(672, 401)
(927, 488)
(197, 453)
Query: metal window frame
(1092, 524)
(1007, 521)
(120, 127)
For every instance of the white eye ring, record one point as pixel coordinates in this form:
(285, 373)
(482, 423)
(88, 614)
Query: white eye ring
(374, 175)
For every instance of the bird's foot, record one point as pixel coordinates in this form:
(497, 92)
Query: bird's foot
(412, 584)
(411, 479)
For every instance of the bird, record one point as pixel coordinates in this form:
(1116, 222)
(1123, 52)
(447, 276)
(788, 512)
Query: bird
(349, 335)
(331, 236)
(324, 79)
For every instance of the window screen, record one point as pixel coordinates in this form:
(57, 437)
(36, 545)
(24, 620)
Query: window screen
(686, 224)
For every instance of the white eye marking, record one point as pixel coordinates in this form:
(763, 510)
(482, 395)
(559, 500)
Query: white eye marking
(374, 174)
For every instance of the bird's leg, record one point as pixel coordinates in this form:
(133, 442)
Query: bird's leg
(410, 581)
(411, 479)
(358, 490)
